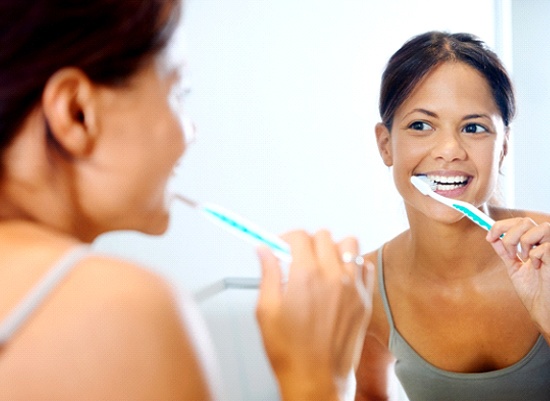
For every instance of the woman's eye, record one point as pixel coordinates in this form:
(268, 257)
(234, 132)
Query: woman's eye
(420, 126)
(474, 129)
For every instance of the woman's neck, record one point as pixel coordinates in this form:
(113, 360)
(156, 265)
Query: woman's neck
(448, 250)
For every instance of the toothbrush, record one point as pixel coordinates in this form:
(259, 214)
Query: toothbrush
(240, 227)
(470, 211)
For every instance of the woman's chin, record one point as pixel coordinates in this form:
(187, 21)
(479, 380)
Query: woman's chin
(152, 224)
(157, 226)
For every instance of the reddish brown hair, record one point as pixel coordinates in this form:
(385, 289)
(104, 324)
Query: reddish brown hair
(107, 39)
(424, 52)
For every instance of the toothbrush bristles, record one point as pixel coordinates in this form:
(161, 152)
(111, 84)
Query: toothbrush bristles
(431, 183)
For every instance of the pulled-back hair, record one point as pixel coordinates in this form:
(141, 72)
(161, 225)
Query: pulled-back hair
(424, 52)
(107, 39)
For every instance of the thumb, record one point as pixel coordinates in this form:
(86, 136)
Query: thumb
(271, 283)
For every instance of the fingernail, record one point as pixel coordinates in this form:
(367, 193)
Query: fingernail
(263, 251)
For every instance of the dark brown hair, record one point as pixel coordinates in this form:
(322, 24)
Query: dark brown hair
(424, 52)
(107, 39)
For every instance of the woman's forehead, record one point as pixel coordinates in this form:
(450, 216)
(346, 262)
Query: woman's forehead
(456, 82)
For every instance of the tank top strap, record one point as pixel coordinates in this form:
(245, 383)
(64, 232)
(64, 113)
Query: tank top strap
(382, 287)
(34, 298)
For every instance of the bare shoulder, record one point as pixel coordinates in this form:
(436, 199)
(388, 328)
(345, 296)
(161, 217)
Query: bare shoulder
(504, 213)
(378, 327)
(372, 374)
(538, 217)
(112, 330)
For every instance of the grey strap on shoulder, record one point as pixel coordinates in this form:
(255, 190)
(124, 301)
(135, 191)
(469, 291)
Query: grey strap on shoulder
(382, 287)
(36, 295)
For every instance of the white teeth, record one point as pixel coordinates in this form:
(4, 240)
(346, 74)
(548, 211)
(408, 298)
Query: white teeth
(459, 179)
(446, 187)
(447, 183)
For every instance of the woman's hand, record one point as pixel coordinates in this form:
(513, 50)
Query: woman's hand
(524, 247)
(313, 326)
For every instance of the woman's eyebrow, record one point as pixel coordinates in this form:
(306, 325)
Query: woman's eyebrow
(474, 116)
(432, 114)
(424, 111)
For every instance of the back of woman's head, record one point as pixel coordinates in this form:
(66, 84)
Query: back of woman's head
(424, 52)
(107, 39)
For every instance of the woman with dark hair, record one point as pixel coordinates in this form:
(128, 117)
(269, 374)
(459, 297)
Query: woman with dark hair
(462, 314)
(90, 132)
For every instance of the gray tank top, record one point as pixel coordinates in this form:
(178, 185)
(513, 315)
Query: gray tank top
(21, 313)
(528, 379)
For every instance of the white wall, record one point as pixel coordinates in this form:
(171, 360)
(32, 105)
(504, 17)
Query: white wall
(285, 98)
(531, 130)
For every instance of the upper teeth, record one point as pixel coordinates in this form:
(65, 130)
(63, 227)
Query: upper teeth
(460, 179)
(446, 183)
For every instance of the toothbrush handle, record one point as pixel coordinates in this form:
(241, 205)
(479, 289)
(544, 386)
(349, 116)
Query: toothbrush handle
(477, 216)
(247, 230)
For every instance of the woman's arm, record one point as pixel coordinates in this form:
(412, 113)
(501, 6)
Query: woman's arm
(373, 375)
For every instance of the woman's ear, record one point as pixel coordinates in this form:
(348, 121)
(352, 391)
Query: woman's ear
(383, 139)
(69, 109)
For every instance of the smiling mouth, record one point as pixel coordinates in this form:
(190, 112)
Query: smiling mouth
(444, 183)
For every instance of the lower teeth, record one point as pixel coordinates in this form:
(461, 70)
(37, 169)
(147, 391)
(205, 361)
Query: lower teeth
(447, 187)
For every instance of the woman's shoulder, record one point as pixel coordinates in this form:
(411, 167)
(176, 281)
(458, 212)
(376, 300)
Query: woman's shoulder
(501, 213)
(375, 356)
(107, 276)
(375, 254)
(378, 328)
(37, 250)
(32, 253)
(132, 318)
(112, 328)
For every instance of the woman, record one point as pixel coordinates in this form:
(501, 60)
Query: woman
(459, 320)
(90, 133)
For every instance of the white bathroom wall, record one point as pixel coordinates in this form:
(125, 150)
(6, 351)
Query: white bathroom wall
(284, 95)
(531, 129)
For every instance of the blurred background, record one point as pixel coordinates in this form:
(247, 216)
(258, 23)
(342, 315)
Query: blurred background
(284, 95)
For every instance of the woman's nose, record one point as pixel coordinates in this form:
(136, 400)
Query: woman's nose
(448, 146)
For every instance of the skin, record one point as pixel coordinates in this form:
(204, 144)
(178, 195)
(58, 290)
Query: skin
(112, 329)
(296, 342)
(96, 167)
(56, 197)
(479, 319)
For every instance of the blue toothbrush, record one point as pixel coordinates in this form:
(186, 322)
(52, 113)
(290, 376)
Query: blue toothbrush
(423, 184)
(241, 227)
(244, 229)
